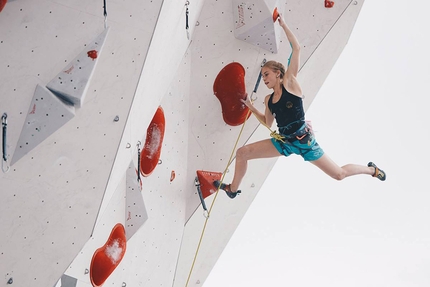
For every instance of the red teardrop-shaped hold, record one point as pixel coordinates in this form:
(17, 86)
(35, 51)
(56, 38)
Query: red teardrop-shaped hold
(107, 257)
(229, 88)
(154, 139)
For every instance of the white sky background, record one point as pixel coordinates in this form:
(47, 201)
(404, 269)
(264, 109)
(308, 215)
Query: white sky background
(306, 229)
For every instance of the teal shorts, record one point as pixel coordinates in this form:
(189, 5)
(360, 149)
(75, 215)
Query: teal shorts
(310, 150)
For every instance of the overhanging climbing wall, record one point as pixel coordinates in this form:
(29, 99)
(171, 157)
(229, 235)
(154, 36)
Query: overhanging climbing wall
(322, 32)
(66, 199)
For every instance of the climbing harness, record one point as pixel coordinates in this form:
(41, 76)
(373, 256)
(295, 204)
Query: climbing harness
(105, 12)
(221, 181)
(4, 150)
(138, 162)
(304, 136)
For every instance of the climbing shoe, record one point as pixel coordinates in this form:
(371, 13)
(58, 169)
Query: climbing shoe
(379, 173)
(226, 188)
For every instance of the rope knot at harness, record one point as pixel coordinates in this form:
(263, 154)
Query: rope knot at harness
(277, 136)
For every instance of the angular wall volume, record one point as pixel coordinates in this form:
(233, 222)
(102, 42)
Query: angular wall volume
(47, 114)
(71, 83)
(253, 23)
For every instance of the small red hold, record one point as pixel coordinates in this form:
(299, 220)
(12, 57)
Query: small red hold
(92, 54)
(275, 14)
(2, 4)
(328, 4)
(172, 175)
(150, 156)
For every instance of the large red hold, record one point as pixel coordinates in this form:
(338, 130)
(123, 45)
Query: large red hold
(154, 139)
(229, 88)
(107, 257)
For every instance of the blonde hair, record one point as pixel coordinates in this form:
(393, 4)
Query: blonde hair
(275, 66)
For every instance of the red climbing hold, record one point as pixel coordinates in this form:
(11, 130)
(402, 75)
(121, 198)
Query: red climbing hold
(2, 4)
(328, 4)
(154, 139)
(92, 54)
(172, 175)
(206, 179)
(275, 14)
(229, 88)
(107, 257)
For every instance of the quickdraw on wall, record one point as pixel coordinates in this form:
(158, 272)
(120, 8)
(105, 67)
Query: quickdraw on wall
(139, 180)
(5, 166)
(105, 12)
(205, 188)
(187, 3)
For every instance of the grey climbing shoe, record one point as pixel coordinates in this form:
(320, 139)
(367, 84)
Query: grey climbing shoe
(379, 173)
(226, 188)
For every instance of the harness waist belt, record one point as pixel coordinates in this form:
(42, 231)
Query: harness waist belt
(297, 135)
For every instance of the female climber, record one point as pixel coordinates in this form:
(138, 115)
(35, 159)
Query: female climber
(286, 106)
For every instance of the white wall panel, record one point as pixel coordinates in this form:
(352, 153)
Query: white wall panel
(51, 197)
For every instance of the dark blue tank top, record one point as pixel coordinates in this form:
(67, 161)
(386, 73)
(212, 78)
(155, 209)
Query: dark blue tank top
(288, 111)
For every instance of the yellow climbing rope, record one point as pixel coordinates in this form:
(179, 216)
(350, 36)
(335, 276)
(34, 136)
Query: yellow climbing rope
(213, 202)
(274, 135)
